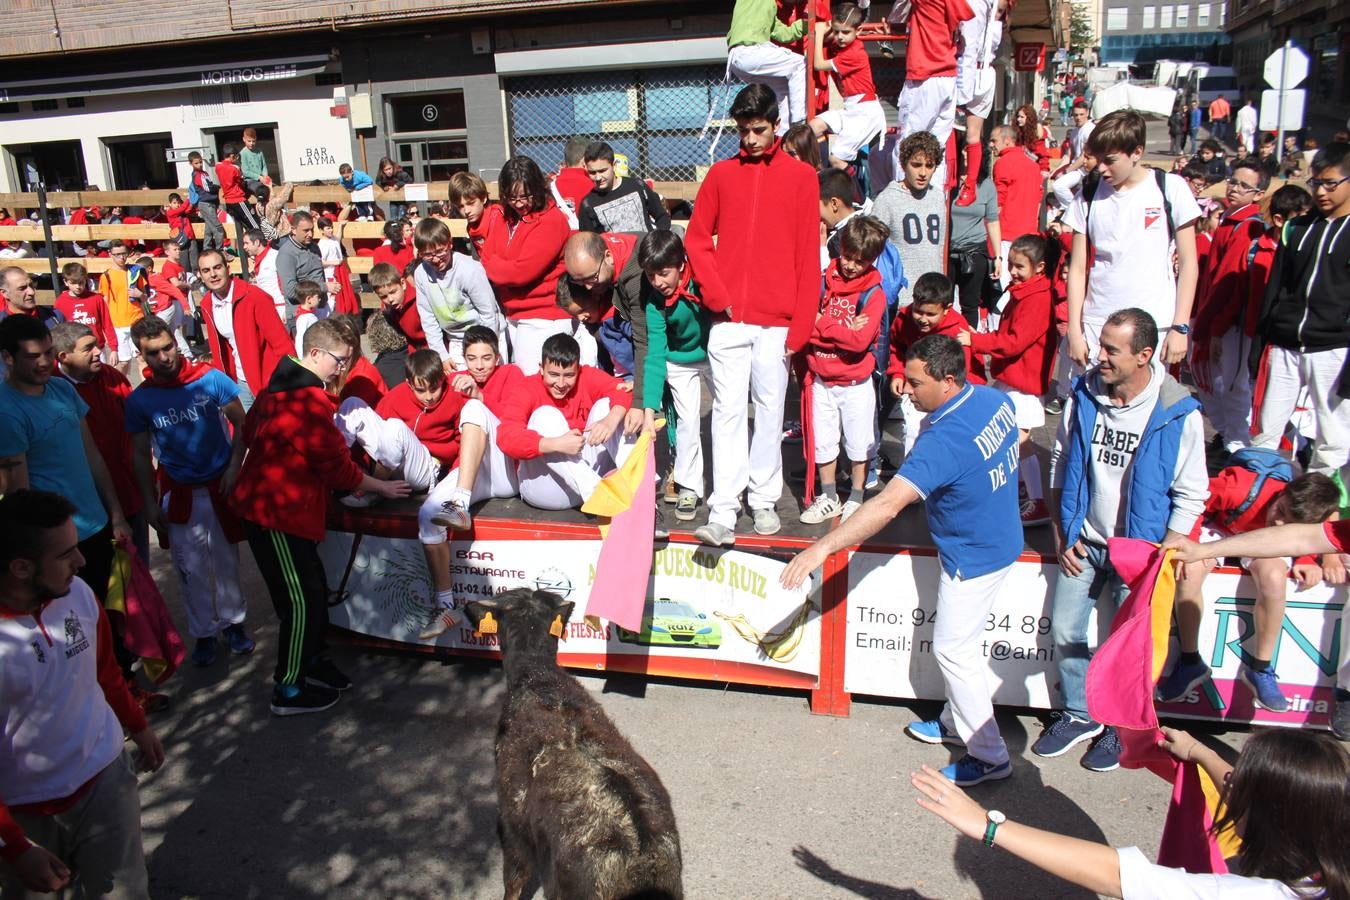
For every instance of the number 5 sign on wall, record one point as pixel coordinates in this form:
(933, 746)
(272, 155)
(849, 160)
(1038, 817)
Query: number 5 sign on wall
(1028, 57)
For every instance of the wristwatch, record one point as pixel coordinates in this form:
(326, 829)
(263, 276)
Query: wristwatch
(993, 819)
(1182, 329)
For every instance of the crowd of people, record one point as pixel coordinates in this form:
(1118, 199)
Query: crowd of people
(984, 286)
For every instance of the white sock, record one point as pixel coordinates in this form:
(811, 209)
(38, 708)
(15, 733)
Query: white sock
(1030, 470)
(446, 600)
(461, 496)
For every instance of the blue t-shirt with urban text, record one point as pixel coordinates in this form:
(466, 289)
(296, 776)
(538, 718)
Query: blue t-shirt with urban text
(964, 465)
(186, 425)
(46, 429)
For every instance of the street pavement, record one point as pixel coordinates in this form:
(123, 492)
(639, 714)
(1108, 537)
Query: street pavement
(390, 793)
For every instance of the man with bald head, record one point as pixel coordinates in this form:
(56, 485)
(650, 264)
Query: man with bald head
(603, 274)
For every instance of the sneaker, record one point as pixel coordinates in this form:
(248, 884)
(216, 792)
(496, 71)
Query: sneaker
(1340, 718)
(1105, 754)
(659, 530)
(359, 499)
(205, 652)
(238, 639)
(967, 195)
(792, 432)
(886, 49)
(873, 480)
(308, 698)
(672, 490)
(715, 535)
(848, 509)
(932, 731)
(686, 507)
(766, 521)
(1265, 688)
(1062, 733)
(441, 621)
(822, 508)
(454, 516)
(1035, 512)
(968, 770)
(148, 701)
(1183, 679)
(1054, 406)
(326, 675)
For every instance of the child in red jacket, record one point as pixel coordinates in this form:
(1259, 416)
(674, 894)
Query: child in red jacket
(296, 458)
(1307, 499)
(80, 304)
(1021, 355)
(930, 312)
(840, 360)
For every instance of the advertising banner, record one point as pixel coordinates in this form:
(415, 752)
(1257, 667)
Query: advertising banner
(892, 600)
(711, 613)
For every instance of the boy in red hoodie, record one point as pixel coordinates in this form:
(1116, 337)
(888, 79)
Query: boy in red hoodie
(233, 194)
(1021, 356)
(469, 195)
(1308, 499)
(763, 206)
(564, 427)
(80, 304)
(296, 458)
(840, 360)
(930, 312)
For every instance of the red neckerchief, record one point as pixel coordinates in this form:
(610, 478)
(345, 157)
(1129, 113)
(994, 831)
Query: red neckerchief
(1022, 289)
(839, 286)
(188, 372)
(257, 260)
(682, 291)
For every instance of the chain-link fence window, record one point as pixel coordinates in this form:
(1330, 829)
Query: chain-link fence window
(653, 116)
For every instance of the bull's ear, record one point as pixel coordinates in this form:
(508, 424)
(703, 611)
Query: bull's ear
(564, 609)
(476, 609)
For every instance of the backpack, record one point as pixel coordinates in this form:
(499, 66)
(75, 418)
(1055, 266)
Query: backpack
(1090, 194)
(892, 271)
(1264, 463)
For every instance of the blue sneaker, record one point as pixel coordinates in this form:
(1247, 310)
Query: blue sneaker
(1265, 686)
(1105, 754)
(1063, 732)
(1183, 679)
(238, 639)
(204, 653)
(968, 770)
(932, 731)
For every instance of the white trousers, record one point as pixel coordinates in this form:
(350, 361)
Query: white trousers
(496, 475)
(975, 79)
(962, 608)
(928, 105)
(686, 395)
(1290, 371)
(847, 409)
(783, 71)
(743, 359)
(1229, 407)
(390, 442)
(558, 481)
(173, 317)
(527, 336)
(208, 568)
(913, 420)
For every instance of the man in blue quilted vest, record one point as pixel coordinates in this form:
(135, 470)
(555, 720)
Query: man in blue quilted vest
(1128, 461)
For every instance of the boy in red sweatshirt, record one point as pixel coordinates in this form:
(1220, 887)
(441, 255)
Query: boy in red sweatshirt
(80, 304)
(233, 194)
(563, 425)
(296, 458)
(763, 206)
(930, 312)
(1308, 499)
(1021, 356)
(841, 361)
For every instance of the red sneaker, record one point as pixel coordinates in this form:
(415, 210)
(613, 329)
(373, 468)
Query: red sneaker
(149, 701)
(1035, 512)
(967, 195)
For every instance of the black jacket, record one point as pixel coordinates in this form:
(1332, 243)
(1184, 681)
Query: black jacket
(1307, 301)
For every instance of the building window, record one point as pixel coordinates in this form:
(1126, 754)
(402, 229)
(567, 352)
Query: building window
(1165, 19)
(1117, 18)
(1202, 15)
(1150, 17)
(74, 102)
(328, 79)
(1223, 13)
(44, 105)
(653, 116)
(1183, 16)
(429, 134)
(8, 108)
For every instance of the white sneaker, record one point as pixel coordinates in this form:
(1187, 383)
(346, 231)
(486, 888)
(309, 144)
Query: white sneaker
(822, 508)
(359, 499)
(848, 509)
(440, 623)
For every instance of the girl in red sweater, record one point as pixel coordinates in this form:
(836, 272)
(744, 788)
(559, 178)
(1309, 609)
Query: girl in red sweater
(523, 256)
(1021, 355)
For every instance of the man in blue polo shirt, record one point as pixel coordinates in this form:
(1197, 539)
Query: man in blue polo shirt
(964, 468)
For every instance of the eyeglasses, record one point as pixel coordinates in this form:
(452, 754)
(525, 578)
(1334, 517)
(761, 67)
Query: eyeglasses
(1234, 183)
(342, 361)
(436, 252)
(1326, 184)
(588, 281)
